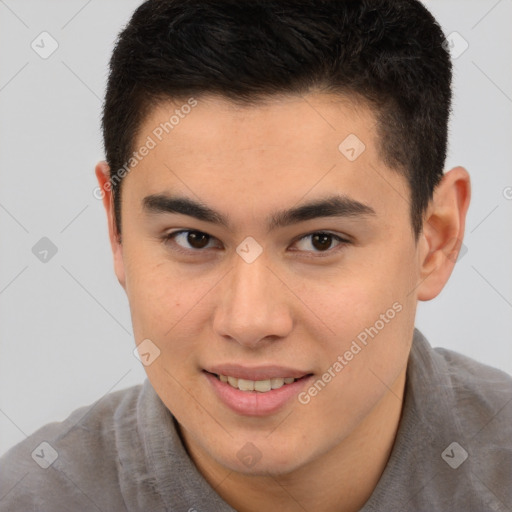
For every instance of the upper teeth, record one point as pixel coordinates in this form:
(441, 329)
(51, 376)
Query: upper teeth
(256, 385)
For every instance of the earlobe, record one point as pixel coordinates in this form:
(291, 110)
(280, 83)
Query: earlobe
(103, 176)
(443, 232)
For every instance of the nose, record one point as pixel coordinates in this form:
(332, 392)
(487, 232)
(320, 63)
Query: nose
(253, 307)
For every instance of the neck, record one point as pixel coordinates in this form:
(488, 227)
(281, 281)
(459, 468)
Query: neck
(342, 479)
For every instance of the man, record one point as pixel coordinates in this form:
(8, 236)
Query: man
(276, 203)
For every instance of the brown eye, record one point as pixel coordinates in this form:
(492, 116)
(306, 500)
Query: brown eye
(188, 240)
(197, 239)
(322, 242)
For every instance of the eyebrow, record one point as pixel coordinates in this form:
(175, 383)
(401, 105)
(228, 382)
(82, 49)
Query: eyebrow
(332, 206)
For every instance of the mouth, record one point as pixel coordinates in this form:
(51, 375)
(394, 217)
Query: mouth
(265, 396)
(259, 386)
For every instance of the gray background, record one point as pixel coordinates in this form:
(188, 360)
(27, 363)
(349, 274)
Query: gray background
(65, 331)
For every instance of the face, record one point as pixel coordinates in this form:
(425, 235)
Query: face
(263, 243)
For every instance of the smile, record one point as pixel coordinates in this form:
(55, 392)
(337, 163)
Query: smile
(261, 386)
(265, 396)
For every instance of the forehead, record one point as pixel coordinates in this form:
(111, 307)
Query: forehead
(271, 153)
(283, 122)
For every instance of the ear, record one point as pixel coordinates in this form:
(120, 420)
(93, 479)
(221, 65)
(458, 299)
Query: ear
(443, 232)
(103, 176)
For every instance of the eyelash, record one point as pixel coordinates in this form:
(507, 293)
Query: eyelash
(169, 237)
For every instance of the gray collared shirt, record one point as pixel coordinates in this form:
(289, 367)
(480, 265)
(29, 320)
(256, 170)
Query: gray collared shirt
(453, 450)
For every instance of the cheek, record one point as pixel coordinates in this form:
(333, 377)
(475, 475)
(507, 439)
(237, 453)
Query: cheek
(157, 298)
(372, 306)
(170, 307)
(363, 294)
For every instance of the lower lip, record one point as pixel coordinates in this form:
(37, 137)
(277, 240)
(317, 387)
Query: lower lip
(255, 403)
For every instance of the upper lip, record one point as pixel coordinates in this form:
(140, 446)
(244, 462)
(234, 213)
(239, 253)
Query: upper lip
(256, 372)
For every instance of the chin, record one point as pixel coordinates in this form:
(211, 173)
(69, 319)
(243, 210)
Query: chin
(261, 458)
(267, 468)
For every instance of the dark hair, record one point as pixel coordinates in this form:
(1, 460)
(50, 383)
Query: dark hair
(390, 53)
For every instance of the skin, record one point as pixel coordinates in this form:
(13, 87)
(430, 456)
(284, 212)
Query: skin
(292, 306)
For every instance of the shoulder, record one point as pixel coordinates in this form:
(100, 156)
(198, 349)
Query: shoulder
(482, 391)
(481, 407)
(70, 458)
(453, 449)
